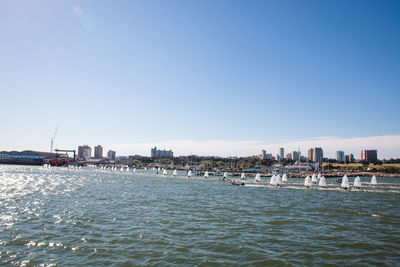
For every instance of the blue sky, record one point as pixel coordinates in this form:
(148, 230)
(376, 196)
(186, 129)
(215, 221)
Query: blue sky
(143, 72)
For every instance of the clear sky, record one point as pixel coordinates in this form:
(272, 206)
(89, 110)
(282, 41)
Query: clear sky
(153, 72)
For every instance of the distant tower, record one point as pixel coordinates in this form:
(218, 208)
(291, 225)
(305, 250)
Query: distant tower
(98, 152)
(281, 153)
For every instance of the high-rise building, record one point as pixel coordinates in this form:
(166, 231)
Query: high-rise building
(111, 155)
(281, 153)
(369, 155)
(98, 152)
(84, 152)
(318, 154)
(263, 155)
(311, 155)
(289, 156)
(339, 156)
(315, 154)
(351, 157)
(295, 155)
(156, 153)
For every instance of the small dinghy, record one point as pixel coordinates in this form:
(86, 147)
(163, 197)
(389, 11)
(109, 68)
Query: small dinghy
(307, 182)
(243, 176)
(374, 182)
(345, 183)
(257, 179)
(284, 178)
(357, 183)
(322, 182)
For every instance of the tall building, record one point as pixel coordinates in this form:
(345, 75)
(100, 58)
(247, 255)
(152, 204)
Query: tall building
(111, 155)
(281, 153)
(84, 152)
(339, 156)
(351, 157)
(263, 154)
(369, 155)
(156, 153)
(295, 155)
(311, 155)
(318, 154)
(315, 154)
(98, 152)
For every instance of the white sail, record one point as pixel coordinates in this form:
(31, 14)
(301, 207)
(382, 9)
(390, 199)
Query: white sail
(307, 181)
(175, 173)
(243, 176)
(258, 178)
(357, 182)
(127, 169)
(206, 174)
(273, 180)
(154, 169)
(165, 172)
(319, 176)
(345, 182)
(322, 182)
(284, 178)
(134, 170)
(314, 179)
(121, 169)
(189, 174)
(225, 175)
(278, 180)
(373, 180)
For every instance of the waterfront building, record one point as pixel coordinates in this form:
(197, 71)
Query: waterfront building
(318, 154)
(339, 156)
(296, 155)
(281, 153)
(311, 155)
(98, 152)
(156, 153)
(263, 155)
(84, 152)
(315, 154)
(369, 155)
(111, 155)
(289, 156)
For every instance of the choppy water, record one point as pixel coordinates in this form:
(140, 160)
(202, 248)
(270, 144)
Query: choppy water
(90, 217)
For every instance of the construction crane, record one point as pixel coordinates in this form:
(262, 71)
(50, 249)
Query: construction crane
(52, 140)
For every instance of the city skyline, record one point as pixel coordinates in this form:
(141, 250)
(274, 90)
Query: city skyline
(226, 78)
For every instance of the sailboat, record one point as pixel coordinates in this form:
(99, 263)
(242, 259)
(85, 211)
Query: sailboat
(127, 169)
(314, 179)
(273, 182)
(189, 173)
(278, 180)
(258, 178)
(357, 182)
(134, 170)
(345, 183)
(322, 182)
(243, 176)
(206, 174)
(121, 169)
(374, 182)
(175, 173)
(307, 182)
(165, 172)
(319, 176)
(284, 178)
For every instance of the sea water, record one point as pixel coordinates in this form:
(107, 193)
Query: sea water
(95, 217)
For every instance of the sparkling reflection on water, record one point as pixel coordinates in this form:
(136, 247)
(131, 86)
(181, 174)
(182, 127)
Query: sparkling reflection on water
(91, 217)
